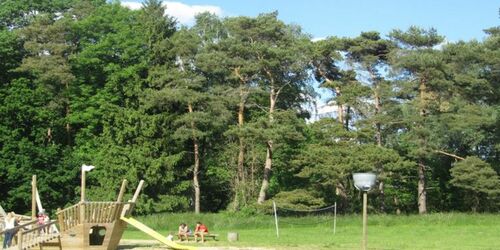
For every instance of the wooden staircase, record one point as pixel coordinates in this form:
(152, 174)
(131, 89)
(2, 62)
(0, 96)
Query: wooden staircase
(30, 235)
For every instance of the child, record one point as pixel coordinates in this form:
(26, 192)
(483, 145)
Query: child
(201, 230)
(170, 236)
(183, 232)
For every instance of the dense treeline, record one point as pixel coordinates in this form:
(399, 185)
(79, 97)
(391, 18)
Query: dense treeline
(214, 116)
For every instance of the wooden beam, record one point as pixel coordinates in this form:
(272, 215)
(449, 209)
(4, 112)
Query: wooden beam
(138, 191)
(122, 191)
(33, 197)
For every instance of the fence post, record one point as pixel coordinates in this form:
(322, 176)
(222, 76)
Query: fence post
(276, 220)
(20, 239)
(335, 218)
(60, 220)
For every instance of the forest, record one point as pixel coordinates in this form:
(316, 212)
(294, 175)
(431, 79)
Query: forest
(220, 115)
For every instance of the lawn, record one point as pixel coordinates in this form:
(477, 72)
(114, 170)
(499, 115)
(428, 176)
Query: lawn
(433, 231)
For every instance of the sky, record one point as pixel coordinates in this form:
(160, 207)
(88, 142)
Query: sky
(455, 19)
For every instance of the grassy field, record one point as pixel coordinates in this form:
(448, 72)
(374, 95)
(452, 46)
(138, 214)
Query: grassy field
(433, 231)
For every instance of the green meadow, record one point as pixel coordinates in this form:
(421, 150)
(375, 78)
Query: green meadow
(433, 231)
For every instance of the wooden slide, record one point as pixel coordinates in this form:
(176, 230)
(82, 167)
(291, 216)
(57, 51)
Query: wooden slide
(137, 224)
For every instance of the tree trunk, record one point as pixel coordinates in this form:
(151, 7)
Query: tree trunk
(340, 107)
(252, 175)
(422, 193)
(378, 136)
(68, 111)
(196, 169)
(196, 182)
(378, 109)
(269, 149)
(475, 203)
(347, 117)
(240, 182)
(396, 204)
(381, 188)
(267, 173)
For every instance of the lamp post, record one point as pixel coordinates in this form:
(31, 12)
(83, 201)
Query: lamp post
(364, 182)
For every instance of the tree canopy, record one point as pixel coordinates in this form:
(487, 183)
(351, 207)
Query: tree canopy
(220, 115)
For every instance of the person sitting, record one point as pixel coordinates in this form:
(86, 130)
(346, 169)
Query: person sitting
(183, 232)
(170, 236)
(201, 230)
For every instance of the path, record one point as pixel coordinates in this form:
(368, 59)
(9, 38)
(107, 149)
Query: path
(154, 245)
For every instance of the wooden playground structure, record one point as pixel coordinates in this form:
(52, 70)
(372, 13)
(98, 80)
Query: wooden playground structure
(85, 225)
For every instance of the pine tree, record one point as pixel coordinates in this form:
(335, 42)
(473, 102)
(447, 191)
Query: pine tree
(425, 73)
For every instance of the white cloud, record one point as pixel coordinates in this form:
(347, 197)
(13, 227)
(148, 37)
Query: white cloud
(132, 5)
(316, 39)
(185, 13)
(182, 12)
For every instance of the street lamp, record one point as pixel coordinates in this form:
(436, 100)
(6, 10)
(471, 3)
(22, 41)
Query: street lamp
(364, 182)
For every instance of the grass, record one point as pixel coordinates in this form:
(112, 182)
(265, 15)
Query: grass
(433, 231)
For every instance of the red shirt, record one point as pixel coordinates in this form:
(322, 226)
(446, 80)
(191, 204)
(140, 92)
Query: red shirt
(201, 228)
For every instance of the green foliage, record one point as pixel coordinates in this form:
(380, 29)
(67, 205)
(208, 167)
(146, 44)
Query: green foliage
(476, 177)
(298, 200)
(92, 82)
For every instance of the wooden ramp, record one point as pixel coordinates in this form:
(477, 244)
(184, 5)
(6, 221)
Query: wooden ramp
(137, 224)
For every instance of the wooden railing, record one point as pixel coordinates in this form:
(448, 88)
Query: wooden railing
(103, 212)
(31, 234)
(37, 235)
(69, 217)
(90, 212)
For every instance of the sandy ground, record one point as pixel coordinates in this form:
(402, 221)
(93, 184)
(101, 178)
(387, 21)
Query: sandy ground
(154, 245)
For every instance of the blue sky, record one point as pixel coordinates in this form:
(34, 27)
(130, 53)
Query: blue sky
(457, 20)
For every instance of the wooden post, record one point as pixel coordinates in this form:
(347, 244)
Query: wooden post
(130, 207)
(82, 198)
(365, 220)
(33, 197)
(122, 191)
(138, 191)
(20, 239)
(335, 218)
(62, 225)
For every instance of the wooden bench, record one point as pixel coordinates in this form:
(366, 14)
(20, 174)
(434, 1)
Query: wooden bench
(207, 236)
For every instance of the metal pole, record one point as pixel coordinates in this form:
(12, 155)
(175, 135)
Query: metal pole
(276, 220)
(365, 219)
(335, 218)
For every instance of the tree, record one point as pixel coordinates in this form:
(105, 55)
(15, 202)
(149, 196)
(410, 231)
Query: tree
(477, 178)
(281, 53)
(368, 53)
(48, 61)
(424, 71)
(325, 59)
(333, 154)
(19, 13)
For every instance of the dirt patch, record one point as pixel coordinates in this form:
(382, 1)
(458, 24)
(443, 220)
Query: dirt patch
(154, 245)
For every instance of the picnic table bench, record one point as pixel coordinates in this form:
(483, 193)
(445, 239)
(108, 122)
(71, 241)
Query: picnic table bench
(213, 236)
